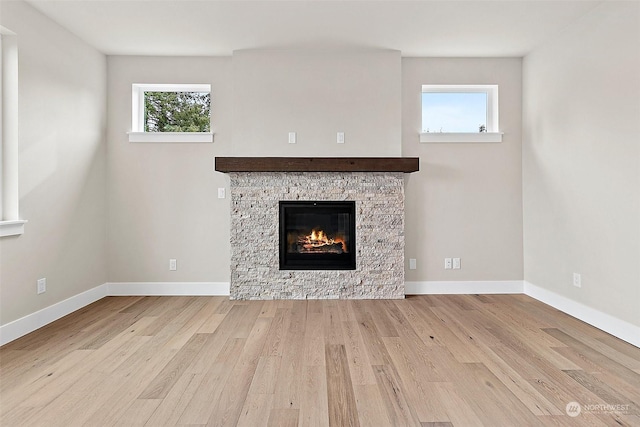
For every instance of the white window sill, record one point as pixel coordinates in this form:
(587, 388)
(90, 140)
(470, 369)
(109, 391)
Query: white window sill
(12, 228)
(170, 136)
(461, 137)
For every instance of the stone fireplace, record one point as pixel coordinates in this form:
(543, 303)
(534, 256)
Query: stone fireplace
(257, 198)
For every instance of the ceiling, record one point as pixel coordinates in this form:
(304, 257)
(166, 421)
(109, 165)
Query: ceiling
(416, 28)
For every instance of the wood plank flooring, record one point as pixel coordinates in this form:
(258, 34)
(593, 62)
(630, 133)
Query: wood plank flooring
(441, 360)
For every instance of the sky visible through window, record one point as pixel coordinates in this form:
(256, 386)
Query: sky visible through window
(453, 111)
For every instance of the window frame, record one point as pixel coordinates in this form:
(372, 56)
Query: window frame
(10, 222)
(138, 134)
(492, 134)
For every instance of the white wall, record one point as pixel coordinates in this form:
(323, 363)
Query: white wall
(581, 161)
(466, 201)
(316, 94)
(62, 116)
(163, 196)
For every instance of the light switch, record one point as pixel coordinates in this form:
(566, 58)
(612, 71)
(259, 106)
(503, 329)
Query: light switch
(221, 193)
(292, 137)
(340, 138)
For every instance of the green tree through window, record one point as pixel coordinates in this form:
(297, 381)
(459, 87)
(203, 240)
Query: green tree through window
(177, 112)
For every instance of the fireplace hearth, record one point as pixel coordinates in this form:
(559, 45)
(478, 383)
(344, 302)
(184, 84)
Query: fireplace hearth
(317, 235)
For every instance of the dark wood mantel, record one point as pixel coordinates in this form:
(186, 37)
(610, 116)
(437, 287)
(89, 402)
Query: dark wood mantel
(318, 164)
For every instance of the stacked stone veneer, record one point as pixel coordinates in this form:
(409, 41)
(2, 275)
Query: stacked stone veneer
(255, 271)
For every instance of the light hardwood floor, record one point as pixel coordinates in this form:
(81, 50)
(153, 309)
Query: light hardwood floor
(492, 360)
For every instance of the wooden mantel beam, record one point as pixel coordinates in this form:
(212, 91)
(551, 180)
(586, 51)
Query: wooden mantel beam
(317, 164)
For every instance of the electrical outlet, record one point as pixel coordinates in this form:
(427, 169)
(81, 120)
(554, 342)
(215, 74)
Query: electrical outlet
(448, 264)
(456, 263)
(173, 265)
(340, 138)
(292, 137)
(42, 286)
(221, 193)
(412, 263)
(577, 280)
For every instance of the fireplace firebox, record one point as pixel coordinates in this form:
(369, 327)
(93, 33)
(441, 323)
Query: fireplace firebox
(317, 235)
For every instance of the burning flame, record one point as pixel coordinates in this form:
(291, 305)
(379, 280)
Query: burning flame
(319, 238)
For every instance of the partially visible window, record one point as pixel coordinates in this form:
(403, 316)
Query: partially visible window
(171, 113)
(10, 222)
(460, 113)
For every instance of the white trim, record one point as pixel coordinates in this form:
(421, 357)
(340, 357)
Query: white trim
(170, 136)
(2, 107)
(612, 325)
(137, 103)
(616, 327)
(12, 228)
(168, 288)
(603, 321)
(448, 137)
(172, 87)
(464, 287)
(37, 320)
(31, 322)
(9, 138)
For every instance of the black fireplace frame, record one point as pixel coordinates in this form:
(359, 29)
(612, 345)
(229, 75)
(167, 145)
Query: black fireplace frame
(345, 261)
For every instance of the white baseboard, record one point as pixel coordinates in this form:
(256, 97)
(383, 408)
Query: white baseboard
(168, 288)
(467, 287)
(616, 327)
(612, 325)
(37, 320)
(23, 326)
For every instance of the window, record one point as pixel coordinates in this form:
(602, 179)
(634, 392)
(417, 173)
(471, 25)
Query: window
(171, 113)
(10, 222)
(460, 113)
